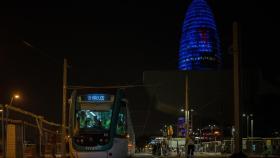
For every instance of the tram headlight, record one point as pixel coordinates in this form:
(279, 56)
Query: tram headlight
(101, 140)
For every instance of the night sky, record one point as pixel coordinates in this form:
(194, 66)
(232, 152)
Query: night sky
(114, 42)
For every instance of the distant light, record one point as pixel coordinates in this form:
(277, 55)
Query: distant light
(216, 132)
(182, 110)
(17, 96)
(1, 110)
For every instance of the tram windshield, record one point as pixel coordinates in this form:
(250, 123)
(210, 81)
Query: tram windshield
(91, 119)
(94, 112)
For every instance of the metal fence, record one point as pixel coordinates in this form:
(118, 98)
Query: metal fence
(33, 135)
(250, 146)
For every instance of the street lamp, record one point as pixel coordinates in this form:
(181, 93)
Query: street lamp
(199, 135)
(189, 117)
(182, 110)
(252, 125)
(212, 130)
(16, 96)
(216, 133)
(247, 116)
(213, 135)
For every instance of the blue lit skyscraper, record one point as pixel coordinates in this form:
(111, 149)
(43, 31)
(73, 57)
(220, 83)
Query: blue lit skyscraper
(200, 44)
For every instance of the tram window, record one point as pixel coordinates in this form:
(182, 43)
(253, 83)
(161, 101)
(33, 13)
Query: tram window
(122, 124)
(90, 119)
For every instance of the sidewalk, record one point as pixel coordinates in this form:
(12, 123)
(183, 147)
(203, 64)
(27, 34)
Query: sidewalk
(205, 154)
(196, 155)
(213, 155)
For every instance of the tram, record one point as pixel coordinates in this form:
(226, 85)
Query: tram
(100, 125)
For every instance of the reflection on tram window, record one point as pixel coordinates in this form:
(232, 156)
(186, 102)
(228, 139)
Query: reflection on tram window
(121, 126)
(88, 119)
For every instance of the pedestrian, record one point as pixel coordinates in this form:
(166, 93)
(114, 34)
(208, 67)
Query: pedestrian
(179, 152)
(191, 147)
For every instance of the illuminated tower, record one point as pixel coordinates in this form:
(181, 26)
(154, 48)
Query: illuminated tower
(200, 44)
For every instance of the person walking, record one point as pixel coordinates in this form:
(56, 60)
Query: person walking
(191, 147)
(179, 152)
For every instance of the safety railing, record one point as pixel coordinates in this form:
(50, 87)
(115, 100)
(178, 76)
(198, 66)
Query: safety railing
(38, 137)
(250, 146)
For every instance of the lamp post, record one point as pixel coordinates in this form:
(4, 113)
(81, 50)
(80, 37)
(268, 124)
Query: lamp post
(187, 101)
(252, 125)
(191, 115)
(2, 130)
(64, 95)
(236, 84)
(247, 124)
(247, 116)
(211, 127)
(188, 118)
(199, 138)
(216, 133)
(188, 115)
(4, 134)
(16, 96)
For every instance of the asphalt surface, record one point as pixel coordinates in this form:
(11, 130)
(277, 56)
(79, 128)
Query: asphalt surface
(200, 155)
(197, 155)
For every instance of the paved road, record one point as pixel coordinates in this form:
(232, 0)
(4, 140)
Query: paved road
(201, 155)
(146, 155)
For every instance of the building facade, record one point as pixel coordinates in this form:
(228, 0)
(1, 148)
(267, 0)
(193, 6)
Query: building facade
(200, 44)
